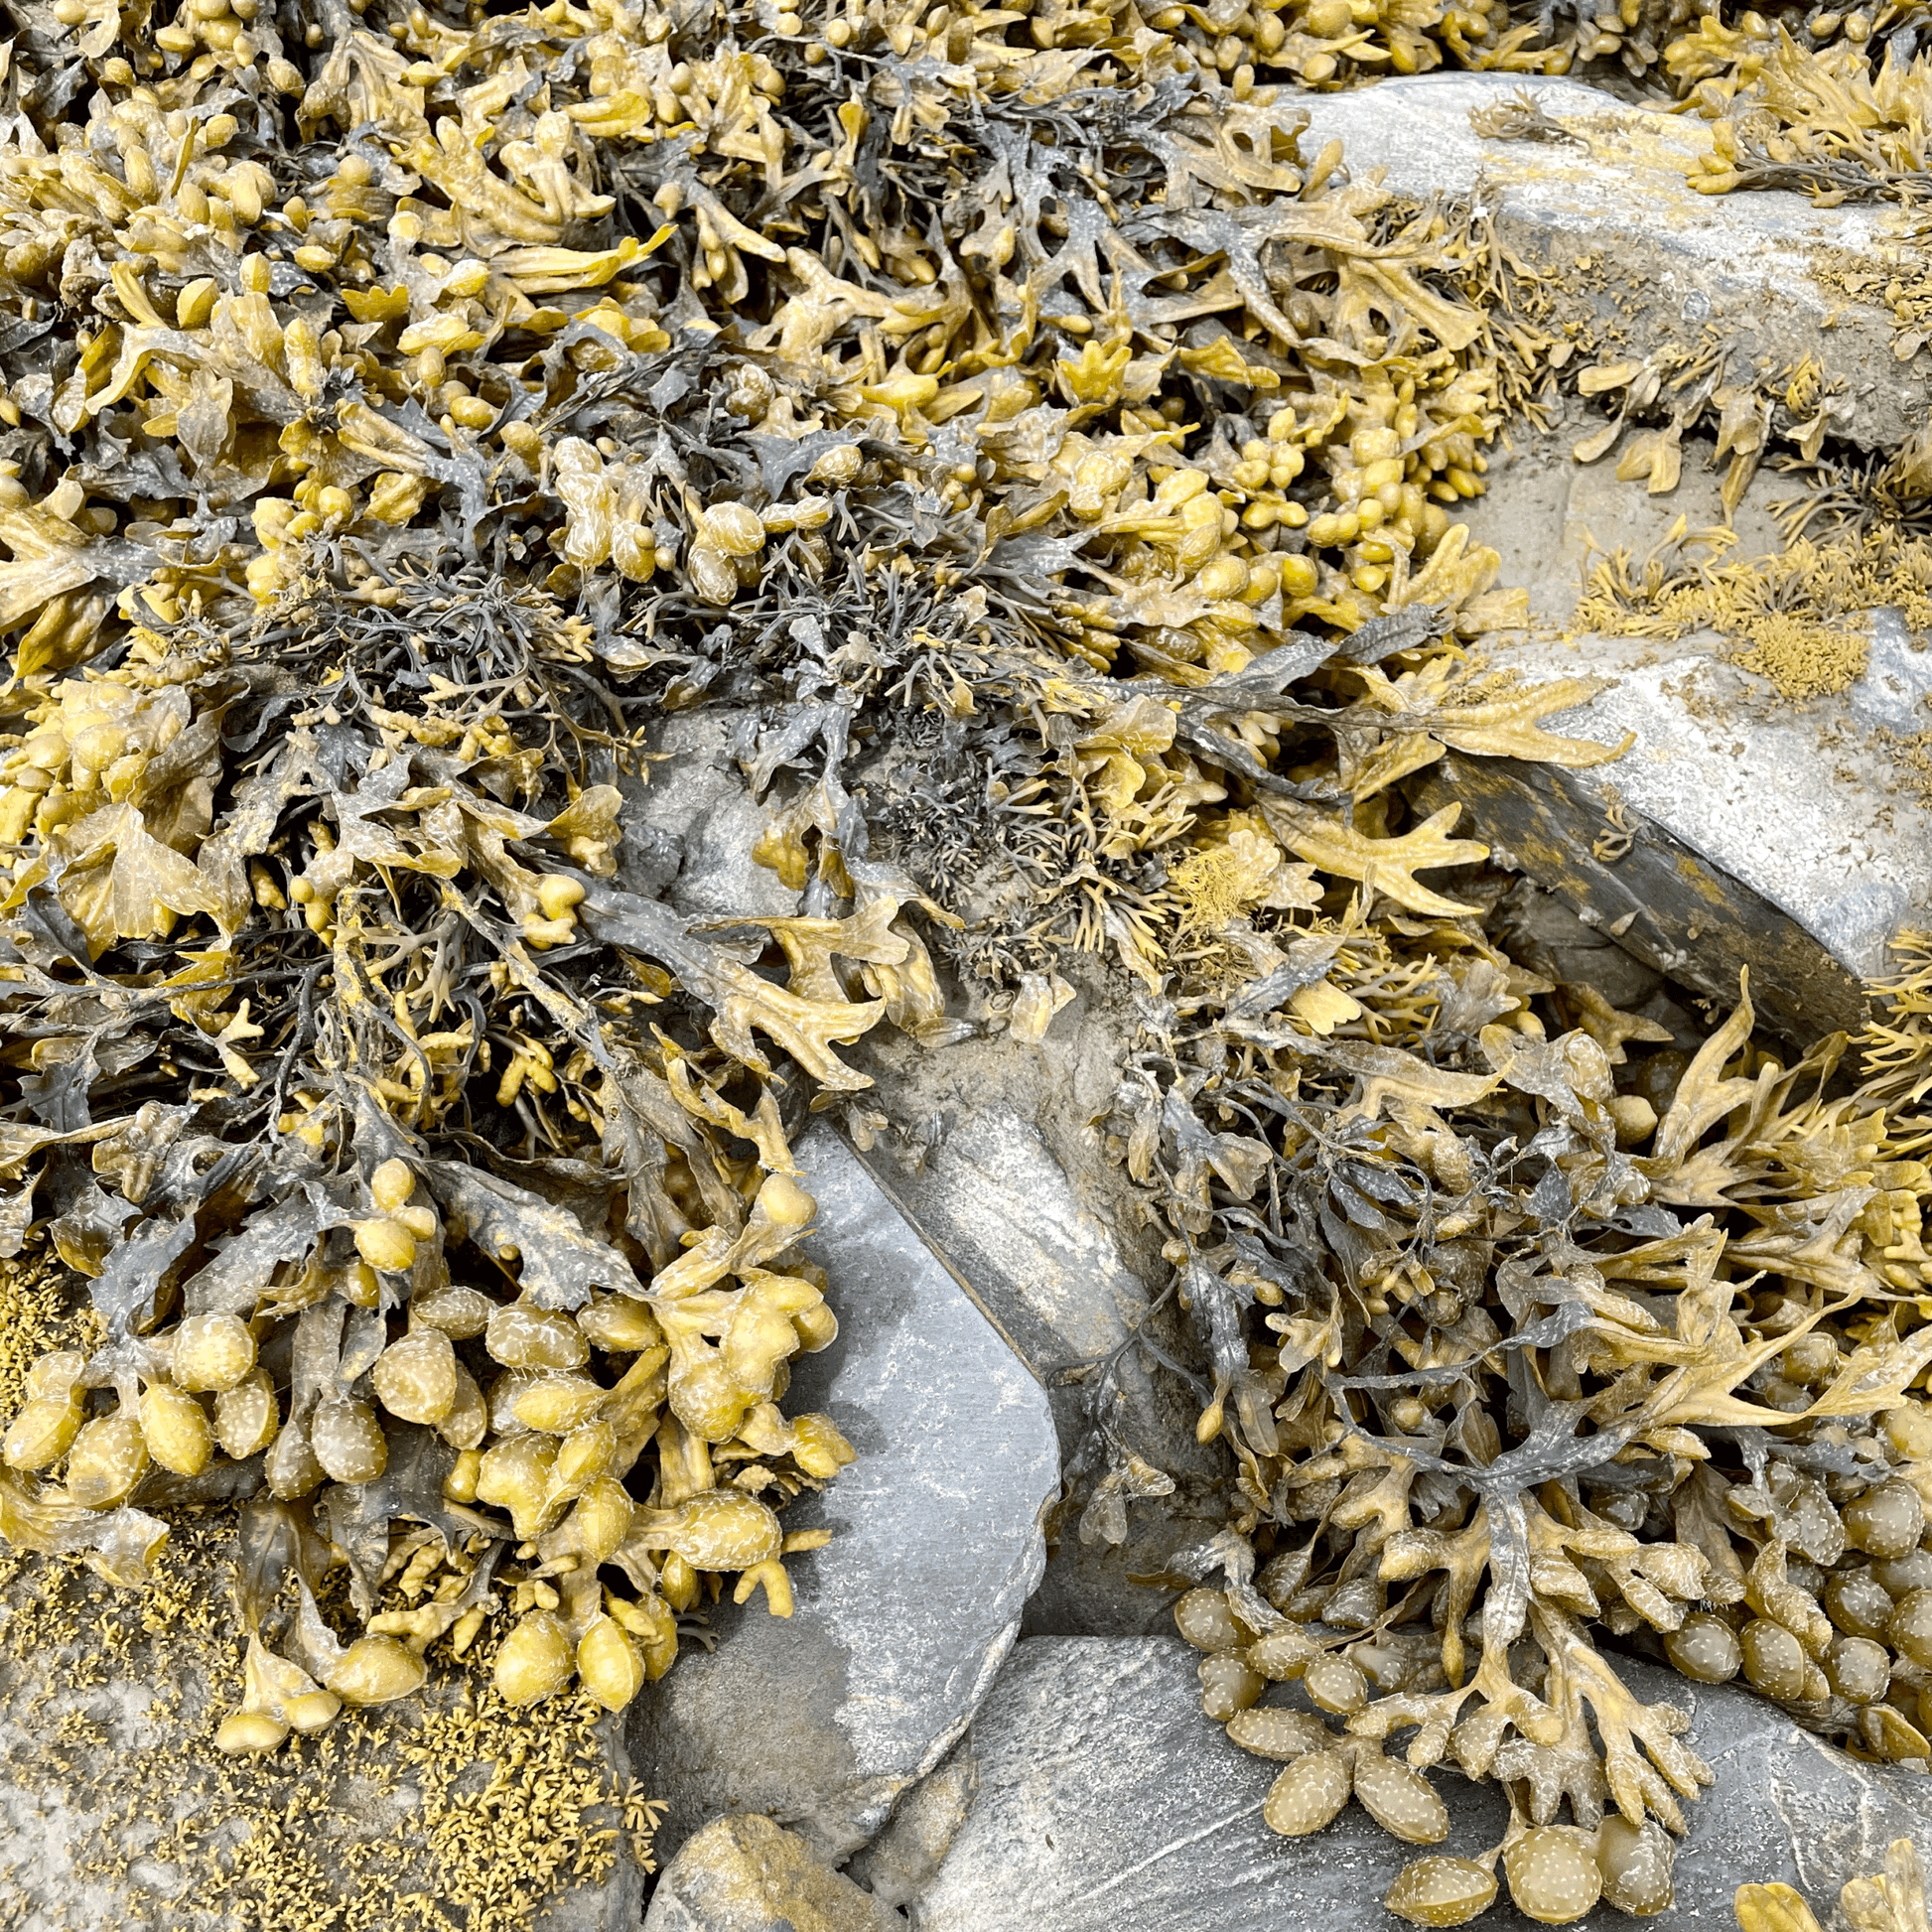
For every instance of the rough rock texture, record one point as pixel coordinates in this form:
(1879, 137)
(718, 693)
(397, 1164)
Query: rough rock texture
(899, 1864)
(1761, 833)
(822, 1720)
(745, 1874)
(1612, 215)
(104, 1757)
(1108, 1803)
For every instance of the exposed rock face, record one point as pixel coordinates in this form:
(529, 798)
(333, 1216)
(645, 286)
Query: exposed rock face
(745, 1874)
(1107, 1800)
(1610, 214)
(822, 1720)
(1754, 833)
(694, 822)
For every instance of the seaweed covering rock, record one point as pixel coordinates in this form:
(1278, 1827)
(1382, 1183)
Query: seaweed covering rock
(1045, 464)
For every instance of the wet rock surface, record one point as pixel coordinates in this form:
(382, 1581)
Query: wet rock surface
(822, 1720)
(1106, 1803)
(746, 1874)
(1610, 214)
(1047, 1265)
(119, 1812)
(1732, 832)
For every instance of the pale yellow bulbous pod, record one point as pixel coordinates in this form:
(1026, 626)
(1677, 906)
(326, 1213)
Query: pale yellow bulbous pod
(415, 1377)
(212, 1352)
(602, 1518)
(387, 1244)
(521, 1336)
(43, 1432)
(1441, 1891)
(818, 1447)
(1553, 1873)
(108, 1457)
(176, 1429)
(585, 1455)
(609, 1664)
(377, 1670)
(467, 1421)
(515, 1475)
(391, 1185)
(313, 1711)
(534, 1661)
(732, 529)
(245, 1416)
(559, 1403)
(249, 1733)
(292, 1469)
(347, 1440)
(459, 1312)
(718, 1529)
(619, 1325)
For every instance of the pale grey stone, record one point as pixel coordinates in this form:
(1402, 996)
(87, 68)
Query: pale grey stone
(901, 1624)
(899, 1864)
(1041, 1264)
(1665, 263)
(1817, 829)
(1761, 833)
(1897, 677)
(1036, 1245)
(745, 1874)
(1108, 1803)
(696, 811)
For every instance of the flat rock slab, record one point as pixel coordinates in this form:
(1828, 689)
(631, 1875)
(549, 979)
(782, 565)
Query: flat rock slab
(823, 1718)
(1760, 833)
(1611, 214)
(1106, 1803)
(1045, 1264)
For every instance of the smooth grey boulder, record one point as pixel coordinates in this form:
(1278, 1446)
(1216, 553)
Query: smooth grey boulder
(823, 1718)
(1611, 212)
(745, 1874)
(1106, 1803)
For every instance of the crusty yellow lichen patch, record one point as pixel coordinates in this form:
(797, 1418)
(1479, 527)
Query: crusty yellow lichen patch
(1798, 617)
(454, 1813)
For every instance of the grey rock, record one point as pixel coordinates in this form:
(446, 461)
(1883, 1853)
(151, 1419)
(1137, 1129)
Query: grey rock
(899, 1864)
(1546, 934)
(106, 1748)
(1764, 834)
(1897, 677)
(1614, 215)
(1108, 1803)
(1038, 1247)
(745, 1874)
(901, 1624)
(1042, 1266)
(695, 807)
